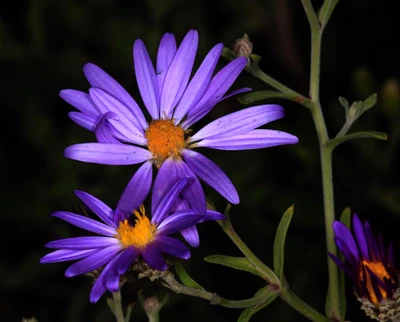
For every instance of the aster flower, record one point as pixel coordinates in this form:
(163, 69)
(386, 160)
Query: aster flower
(122, 237)
(369, 267)
(174, 104)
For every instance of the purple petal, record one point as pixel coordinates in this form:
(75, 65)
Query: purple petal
(213, 215)
(99, 286)
(206, 108)
(146, 79)
(199, 83)
(167, 175)
(165, 204)
(153, 258)
(126, 120)
(220, 83)
(239, 122)
(63, 255)
(178, 74)
(177, 222)
(191, 235)
(373, 249)
(84, 120)
(137, 189)
(103, 211)
(85, 223)
(93, 262)
(211, 174)
(193, 193)
(338, 262)
(342, 232)
(107, 153)
(165, 54)
(105, 132)
(81, 101)
(128, 256)
(112, 281)
(255, 139)
(87, 242)
(171, 246)
(100, 79)
(347, 253)
(360, 236)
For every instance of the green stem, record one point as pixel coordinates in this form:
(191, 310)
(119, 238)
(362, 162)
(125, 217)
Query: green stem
(302, 307)
(119, 314)
(326, 156)
(215, 299)
(265, 271)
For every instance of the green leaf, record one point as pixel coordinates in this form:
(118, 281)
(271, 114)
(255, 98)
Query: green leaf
(228, 54)
(259, 96)
(344, 102)
(255, 58)
(279, 242)
(239, 263)
(333, 143)
(369, 102)
(346, 219)
(185, 278)
(248, 312)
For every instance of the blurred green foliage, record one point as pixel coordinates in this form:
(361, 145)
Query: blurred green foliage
(43, 47)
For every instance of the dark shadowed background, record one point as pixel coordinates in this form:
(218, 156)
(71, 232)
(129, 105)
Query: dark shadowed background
(44, 45)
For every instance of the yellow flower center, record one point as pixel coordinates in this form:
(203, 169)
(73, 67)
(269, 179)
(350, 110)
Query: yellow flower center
(139, 235)
(380, 271)
(165, 139)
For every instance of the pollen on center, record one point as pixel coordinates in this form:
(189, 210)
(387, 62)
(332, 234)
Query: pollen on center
(139, 235)
(165, 139)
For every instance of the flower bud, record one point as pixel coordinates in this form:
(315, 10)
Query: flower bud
(243, 47)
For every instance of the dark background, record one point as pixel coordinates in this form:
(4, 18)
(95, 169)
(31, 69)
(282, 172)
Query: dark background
(44, 45)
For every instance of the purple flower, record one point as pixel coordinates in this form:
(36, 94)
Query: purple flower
(118, 242)
(368, 265)
(174, 103)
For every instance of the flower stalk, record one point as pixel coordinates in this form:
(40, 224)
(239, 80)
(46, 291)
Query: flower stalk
(119, 314)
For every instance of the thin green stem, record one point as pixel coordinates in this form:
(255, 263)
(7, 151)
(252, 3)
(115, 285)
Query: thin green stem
(344, 129)
(302, 307)
(326, 156)
(265, 271)
(119, 314)
(215, 299)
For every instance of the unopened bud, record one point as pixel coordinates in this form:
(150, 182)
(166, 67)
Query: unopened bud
(243, 47)
(390, 97)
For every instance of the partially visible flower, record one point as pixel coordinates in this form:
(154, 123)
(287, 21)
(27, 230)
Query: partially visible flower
(174, 104)
(370, 268)
(123, 237)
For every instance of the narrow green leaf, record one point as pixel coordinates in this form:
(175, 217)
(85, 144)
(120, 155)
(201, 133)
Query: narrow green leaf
(346, 219)
(228, 54)
(344, 102)
(369, 102)
(333, 143)
(263, 95)
(259, 96)
(279, 242)
(185, 278)
(255, 58)
(239, 263)
(248, 312)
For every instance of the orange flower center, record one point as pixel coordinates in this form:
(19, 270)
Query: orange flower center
(380, 271)
(165, 139)
(139, 235)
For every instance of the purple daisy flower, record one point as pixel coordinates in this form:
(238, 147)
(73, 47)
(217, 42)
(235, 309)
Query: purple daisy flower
(123, 237)
(174, 104)
(368, 265)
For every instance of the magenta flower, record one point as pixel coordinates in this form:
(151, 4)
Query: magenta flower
(122, 238)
